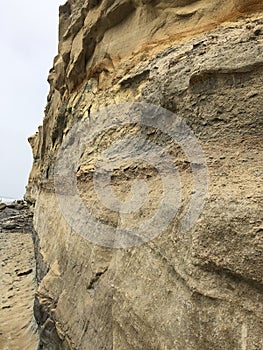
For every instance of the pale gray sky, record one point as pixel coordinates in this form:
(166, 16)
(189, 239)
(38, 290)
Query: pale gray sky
(28, 33)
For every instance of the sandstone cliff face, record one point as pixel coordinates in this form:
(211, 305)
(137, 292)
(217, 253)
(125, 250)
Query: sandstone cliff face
(200, 289)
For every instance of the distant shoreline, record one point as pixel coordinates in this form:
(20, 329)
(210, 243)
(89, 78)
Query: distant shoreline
(7, 200)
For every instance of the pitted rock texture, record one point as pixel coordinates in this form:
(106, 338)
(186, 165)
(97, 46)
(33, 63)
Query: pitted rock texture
(200, 290)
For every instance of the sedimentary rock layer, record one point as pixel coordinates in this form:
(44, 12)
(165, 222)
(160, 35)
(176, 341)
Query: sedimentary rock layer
(15, 217)
(200, 289)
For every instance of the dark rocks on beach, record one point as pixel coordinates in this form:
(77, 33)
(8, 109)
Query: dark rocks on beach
(15, 217)
(2, 206)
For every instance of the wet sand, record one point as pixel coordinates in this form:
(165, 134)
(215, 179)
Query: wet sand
(17, 288)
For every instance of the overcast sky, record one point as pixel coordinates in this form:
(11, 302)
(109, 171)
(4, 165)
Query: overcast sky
(28, 32)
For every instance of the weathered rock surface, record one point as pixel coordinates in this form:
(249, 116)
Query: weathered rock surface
(18, 329)
(16, 217)
(197, 290)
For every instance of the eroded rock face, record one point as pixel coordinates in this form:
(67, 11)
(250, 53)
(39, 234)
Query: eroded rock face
(202, 289)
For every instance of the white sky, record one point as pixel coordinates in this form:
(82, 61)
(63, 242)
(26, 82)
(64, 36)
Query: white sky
(28, 37)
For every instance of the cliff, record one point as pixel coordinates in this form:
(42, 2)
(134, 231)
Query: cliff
(147, 178)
